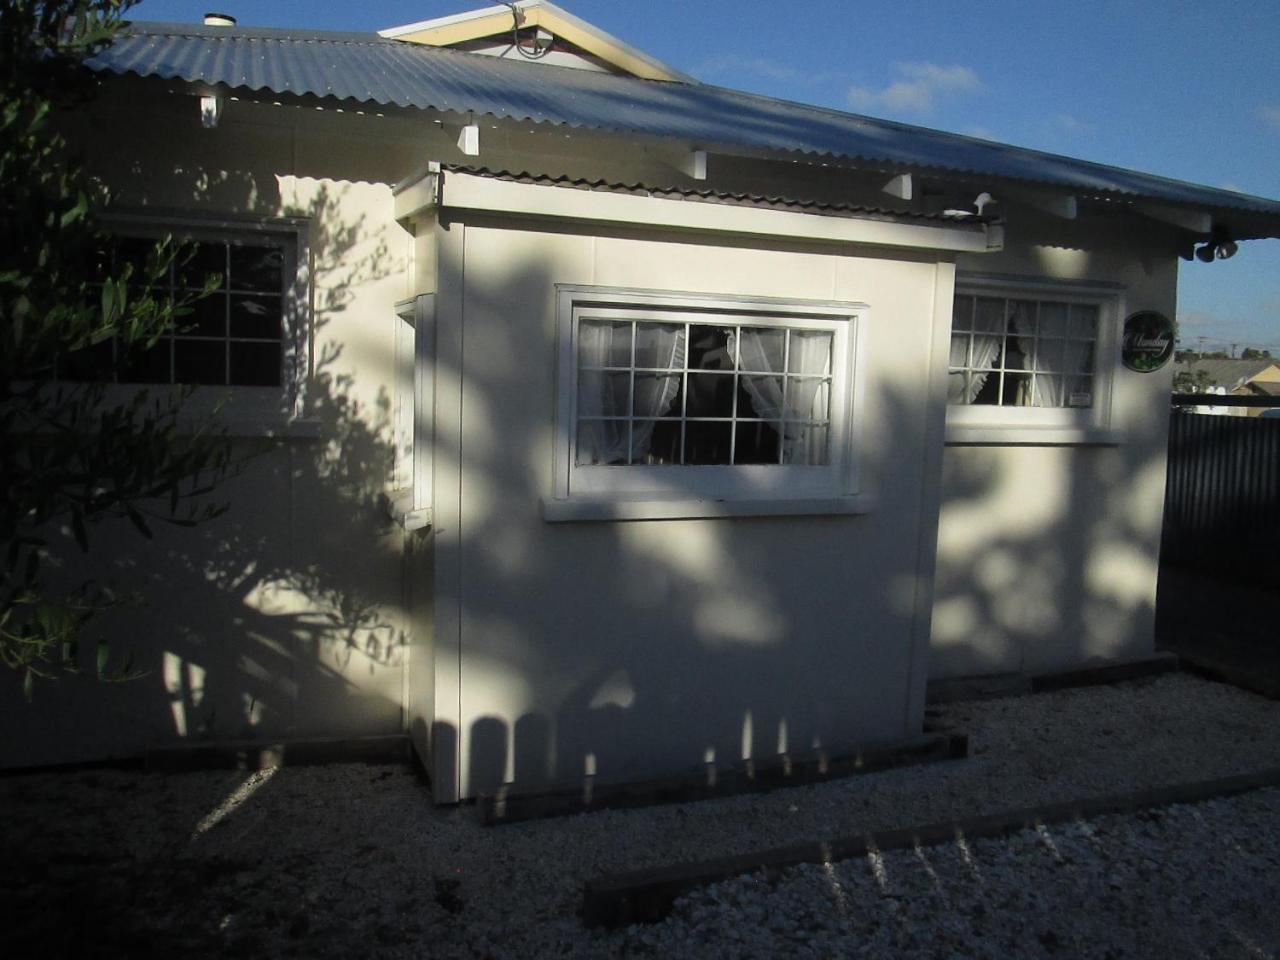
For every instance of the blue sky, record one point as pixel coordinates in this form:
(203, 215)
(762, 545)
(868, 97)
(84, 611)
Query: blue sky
(1186, 90)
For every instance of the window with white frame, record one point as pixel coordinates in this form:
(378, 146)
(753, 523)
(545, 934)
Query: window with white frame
(680, 396)
(244, 334)
(1032, 347)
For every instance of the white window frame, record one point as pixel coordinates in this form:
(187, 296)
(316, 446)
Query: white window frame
(247, 410)
(982, 423)
(599, 492)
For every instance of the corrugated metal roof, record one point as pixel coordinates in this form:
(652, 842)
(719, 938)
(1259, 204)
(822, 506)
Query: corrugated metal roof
(757, 200)
(368, 69)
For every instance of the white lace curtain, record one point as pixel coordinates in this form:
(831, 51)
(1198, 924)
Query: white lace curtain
(1063, 360)
(603, 394)
(988, 336)
(810, 354)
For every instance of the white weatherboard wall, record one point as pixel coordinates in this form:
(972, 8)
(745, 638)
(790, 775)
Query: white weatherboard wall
(625, 649)
(1048, 554)
(282, 618)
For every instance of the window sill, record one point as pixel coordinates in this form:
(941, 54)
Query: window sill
(971, 435)
(567, 511)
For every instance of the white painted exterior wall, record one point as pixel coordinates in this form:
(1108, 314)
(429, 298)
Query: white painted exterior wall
(1047, 554)
(517, 650)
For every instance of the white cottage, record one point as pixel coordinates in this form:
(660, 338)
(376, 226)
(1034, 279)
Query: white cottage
(620, 423)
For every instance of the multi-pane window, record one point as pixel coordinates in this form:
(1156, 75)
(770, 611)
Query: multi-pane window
(233, 337)
(1023, 352)
(702, 392)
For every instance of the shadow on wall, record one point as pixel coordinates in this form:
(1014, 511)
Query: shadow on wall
(1047, 556)
(283, 615)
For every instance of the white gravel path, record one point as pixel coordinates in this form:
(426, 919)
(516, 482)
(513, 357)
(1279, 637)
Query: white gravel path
(353, 860)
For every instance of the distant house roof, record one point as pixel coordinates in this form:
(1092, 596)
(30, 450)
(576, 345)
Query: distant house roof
(367, 68)
(1225, 372)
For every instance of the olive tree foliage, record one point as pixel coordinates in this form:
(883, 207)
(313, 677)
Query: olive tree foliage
(76, 452)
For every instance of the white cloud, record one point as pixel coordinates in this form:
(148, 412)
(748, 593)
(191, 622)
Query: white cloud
(917, 89)
(1270, 116)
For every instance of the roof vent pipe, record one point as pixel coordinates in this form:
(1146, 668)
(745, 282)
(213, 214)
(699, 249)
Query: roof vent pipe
(219, 20)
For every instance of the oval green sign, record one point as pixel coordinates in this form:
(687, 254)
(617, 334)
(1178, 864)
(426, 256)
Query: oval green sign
(1148, 341)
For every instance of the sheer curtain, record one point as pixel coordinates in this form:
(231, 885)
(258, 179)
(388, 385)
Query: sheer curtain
(988, 336)
(810, 354)
(608, 393)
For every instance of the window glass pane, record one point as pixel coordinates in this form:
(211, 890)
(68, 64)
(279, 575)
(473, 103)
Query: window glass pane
(1047, 391)
(985, 387)
(148, 366)
(257, 317)
(809, 352)
(256, 364)
(706, 443)
(1079, 356)
(960, 350)
(1016, 390)
(989, 315)
(200, 361)
(604, 343)
(602, 442)
(256, 268)
(1022, 318)
(761, 349)
(657, 394)
(807, 398)
(1053, 319)
(1015, 355)
(962, 313)
(604, 394)
(208, 317)
(709, 347)
(760, 397)
(710, 395)
(210, 257)
(656, 442)
(756, 441)
(660, 345)
(1079, 392)
(805, 445)
(1049, 355)
(1084, 321)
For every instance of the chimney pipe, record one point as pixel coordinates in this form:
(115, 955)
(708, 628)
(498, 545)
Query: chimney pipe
(219, 20)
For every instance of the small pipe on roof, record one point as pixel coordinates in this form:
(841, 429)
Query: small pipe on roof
(219, 20)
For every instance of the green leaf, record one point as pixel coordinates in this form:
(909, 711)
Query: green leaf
(104, 651)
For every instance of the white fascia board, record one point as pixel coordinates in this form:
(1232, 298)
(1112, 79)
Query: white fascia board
(462, 191)
(415, 195)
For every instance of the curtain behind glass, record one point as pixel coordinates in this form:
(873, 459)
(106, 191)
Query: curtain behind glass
(604, 344)
(810, 356)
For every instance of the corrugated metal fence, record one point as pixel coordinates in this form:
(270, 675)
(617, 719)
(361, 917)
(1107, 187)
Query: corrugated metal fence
(1222, 501)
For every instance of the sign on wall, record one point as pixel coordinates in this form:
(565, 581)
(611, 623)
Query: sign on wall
(1148, 341)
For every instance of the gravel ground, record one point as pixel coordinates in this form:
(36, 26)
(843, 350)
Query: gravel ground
(353, 860)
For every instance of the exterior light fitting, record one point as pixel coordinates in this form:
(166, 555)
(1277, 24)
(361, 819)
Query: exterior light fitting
(1225, 250)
